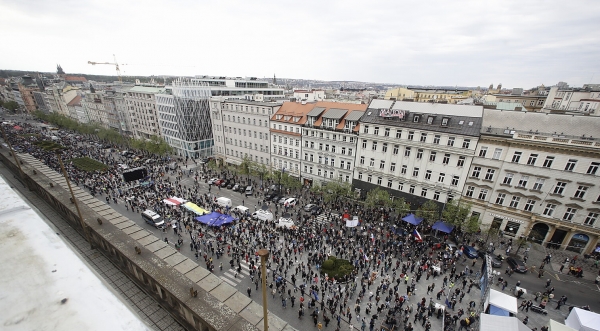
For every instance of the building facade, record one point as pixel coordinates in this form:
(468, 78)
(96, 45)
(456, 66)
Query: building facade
(418, 94)
(141, 103)
(309, 95)
(418, 151)
(241, 129)
(286, 136)
(242, 88)
(585, 100)
(536, 175)
(329, 138)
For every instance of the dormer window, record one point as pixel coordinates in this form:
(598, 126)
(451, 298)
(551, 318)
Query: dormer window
(445, 121)
(278, 117)
(430, 119)
(416, 118)
(461, 122)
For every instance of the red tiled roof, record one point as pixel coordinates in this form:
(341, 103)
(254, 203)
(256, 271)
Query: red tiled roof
(75, 79)
(76, 101)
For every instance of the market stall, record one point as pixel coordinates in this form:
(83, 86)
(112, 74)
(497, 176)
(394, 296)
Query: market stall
(501, 323)
(583, 320)
(194, 208)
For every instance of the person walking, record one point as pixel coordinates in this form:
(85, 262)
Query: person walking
(249, 290)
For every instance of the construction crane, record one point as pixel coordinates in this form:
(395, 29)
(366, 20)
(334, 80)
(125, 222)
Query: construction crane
(116, 64)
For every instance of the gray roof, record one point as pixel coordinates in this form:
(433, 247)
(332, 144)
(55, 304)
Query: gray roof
(439, 108)
(317, 111)
(335, 113)
(355, 115)
(453, 127)
(542, 123)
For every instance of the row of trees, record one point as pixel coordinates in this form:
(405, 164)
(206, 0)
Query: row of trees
(10, 105)
(154, 145)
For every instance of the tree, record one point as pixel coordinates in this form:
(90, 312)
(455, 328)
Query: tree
(334, 190)
(457, 214)
(520, 242)
(11, 105)
(378, 198)
(429, 210)
(401, 206)
(260, 170)
(245, 168)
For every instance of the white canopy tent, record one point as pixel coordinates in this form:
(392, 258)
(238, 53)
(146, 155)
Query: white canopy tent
(583, 320)
(556, 326)
(501, 323)
(501, 304)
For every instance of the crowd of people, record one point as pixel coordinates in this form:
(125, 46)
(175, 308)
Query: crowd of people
(387, 263)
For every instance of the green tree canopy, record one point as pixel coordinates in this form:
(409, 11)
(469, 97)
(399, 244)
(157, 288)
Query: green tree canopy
(458, 214)
(378, 198)
(429, 211)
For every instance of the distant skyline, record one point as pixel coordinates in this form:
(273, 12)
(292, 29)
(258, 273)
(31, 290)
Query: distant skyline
(443, 43)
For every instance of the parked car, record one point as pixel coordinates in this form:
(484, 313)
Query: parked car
(470, 252)
(212, 181)
(434, 242)
(309, 207)
(236, 187)
(516, 265)
(450, 246)
(285, 223)
(282, 200)
(290, 202)
(218, 182)
(249, 190)
(224, 183)
(316, 210)
(271, 195)
(231, 185)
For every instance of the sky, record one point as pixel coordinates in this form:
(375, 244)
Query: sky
(521, 43)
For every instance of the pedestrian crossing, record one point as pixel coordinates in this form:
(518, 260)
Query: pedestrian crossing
(324, 219)
(229, 277)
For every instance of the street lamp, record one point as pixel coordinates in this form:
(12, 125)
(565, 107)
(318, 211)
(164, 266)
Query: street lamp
(264, 255)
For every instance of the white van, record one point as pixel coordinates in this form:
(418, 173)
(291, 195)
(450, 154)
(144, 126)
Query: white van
(224, 202)
(262, 215)
(153, 218)
(242, 209)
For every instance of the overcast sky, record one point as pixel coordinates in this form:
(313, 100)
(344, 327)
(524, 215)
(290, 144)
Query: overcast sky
(520, 43)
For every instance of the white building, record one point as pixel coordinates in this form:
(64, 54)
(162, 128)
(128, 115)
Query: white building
(309, 95)
(141, 101)
(286, 136)
(94, 108)
(583, 100)
(184, 119)
(418, 151)
(240, 88)
(536, 175)
(329, 142)
(241, 129)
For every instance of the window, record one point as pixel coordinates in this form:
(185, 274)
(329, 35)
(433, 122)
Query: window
(343, 150)
(364, 144)
(411, 135)
(436, 139)
(538, 184)
(497, 154)
(593, 168)
(523, 181)
(374, 146)
(359, 175)
(516, 157)
(445, 121)
(424, 192)
(389, 183)
(404, 169)
(455, 180)
(428, 175)
(549, 210)
(366, 129)
(415, 172)
(392, 167)
(396, 148)
(529, 205)
(548, 161)
(432, 156)
(430, 121)
(398, 134)
(386, 133)
(411, 189)
(466, 143)
(532, 159)
(570, 165)
(436, 196)
(369, 178)
(476, 172)
(482, 194)
(569, 213)
(407, 151)
(500, 199)
(489, 175)
(446, 159)
(383, 149)
(376, 131)
(419, 154)
(362, 160)
(483, 151)
(461, 161)
(580, 193)
(514, 203)
(423, 137)
(441, 177)
(591, 218)
(560, 188)
(379, 179)
(382, 164)
(372, 163)
(400, 186)
(416, 118)
(451, 141)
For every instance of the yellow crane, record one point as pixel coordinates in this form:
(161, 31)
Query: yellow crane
(116, 64)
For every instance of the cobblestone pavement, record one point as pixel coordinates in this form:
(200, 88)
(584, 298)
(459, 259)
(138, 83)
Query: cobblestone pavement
(144, 305)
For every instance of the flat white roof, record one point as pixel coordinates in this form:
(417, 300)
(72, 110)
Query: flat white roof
(429, 108)
(39, 270)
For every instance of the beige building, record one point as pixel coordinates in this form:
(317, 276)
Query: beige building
(428, 95)
(141, 101)
(585, 100)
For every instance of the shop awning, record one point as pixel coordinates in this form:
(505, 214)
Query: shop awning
(443, 226)
(194, 208)
(412, 219)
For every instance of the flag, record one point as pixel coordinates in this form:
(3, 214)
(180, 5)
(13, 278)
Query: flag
(417, 235)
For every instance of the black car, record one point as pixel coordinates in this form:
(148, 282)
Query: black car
(225, 183)
(496, 262)
(276, 198)
(231, 185)
(309, 207)
(272, 194)
(316, 210)
(516, 265)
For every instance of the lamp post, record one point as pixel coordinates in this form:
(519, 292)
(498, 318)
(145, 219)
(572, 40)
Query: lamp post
(264, 255)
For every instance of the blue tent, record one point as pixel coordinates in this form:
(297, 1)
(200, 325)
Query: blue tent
(412, 219)
(215, 219)
(443, 226)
